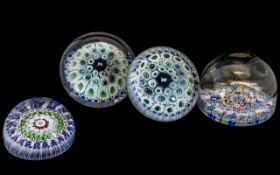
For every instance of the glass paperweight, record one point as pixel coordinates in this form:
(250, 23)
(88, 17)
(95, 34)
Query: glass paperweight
(238, 89)
(38, 128)
(163, 84)
(94, 68)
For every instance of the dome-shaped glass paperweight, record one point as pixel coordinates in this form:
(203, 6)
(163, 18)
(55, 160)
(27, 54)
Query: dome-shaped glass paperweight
(163, 84)
(38, 128)
(238, 89)
(94, 68)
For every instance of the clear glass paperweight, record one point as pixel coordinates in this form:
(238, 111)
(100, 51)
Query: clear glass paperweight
(163, 84)
(94, 68)
(238, 89)
(38, 128)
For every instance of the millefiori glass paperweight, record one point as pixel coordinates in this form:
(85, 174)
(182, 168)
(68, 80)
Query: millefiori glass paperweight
(238, 89)
(163, 84)
(94, 68)
(38, 128)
